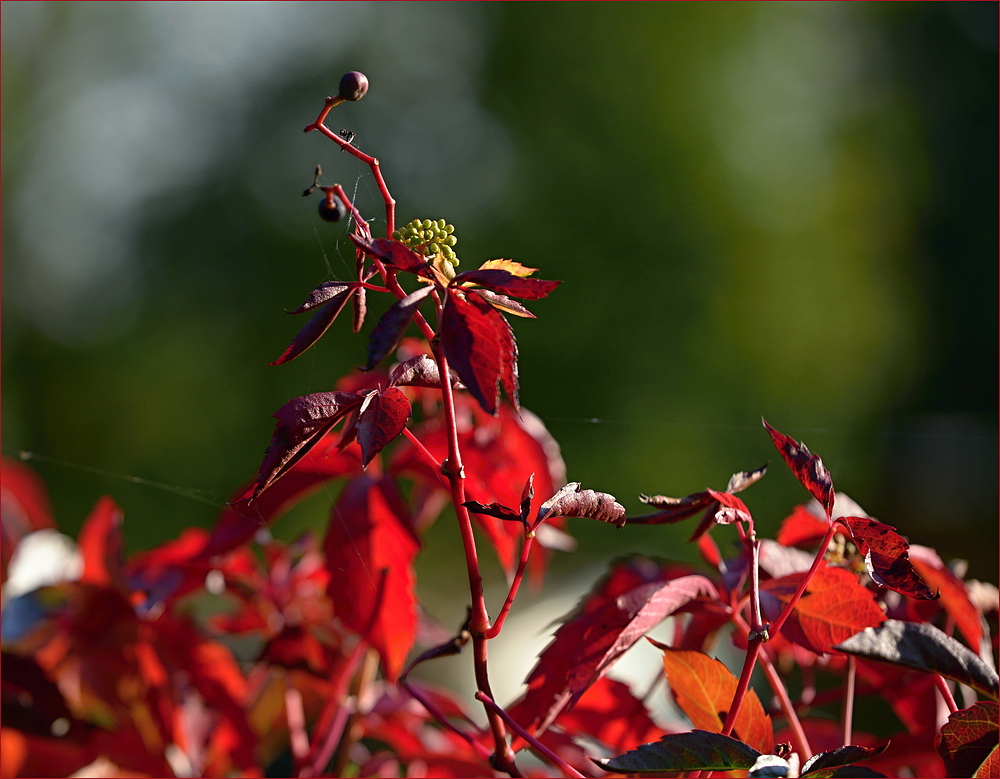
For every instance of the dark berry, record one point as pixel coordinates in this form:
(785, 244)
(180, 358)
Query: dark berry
(353, 85)
(331, 209)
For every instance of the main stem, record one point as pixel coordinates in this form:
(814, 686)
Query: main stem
(480, 622)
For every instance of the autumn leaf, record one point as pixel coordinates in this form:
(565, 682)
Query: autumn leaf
(381, 418)
(301, 423)
(506, 283)
(390, 328)
(394, 254)
(832, 609)
(370, 548)
(697, 750)
(571, 501)
(887, 557)
(807, 467)
(102, 545)
(419, 371)
(704, 690)
(332, 296)
(954, 593)
(478, 343)
(968, 741)
(592, 639)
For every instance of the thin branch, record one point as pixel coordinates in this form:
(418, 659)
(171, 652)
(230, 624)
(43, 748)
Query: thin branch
(942, 685)
(494, 631)
(534, 743)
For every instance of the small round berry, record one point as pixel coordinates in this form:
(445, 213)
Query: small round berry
(353, 85)
(331, 209)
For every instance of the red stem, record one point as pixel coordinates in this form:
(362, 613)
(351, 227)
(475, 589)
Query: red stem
(483, 752)
(494, 631)
(371, 162)
(535, 744)
(786, 612)
(847, 710)
(427, 456)
(945, 690)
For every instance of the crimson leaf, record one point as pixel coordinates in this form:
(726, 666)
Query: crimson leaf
(506, 283)
(571, 501)
(394, 254)
(333, 296)
(478, 343)
(696, 750)
(807, 467)
(493, 510)
(592, 639)
(382, 417)
(968, 741)
(301, 423)
(887, 557)
(390, 328)
(922, 646)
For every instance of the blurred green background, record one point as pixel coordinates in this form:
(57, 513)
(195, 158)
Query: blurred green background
(775, 209)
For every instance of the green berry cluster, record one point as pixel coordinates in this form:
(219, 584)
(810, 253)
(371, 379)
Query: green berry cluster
(429, 237)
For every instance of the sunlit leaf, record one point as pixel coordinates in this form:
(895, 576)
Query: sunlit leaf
(807, 467)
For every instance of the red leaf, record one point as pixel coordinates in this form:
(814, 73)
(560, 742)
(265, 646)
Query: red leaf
(506, 283)
(954, 594)
(479, 345)
(333, 296)
(419, 371)
(302, 422)
(887, 557)
(802, 528)
(610, 713)
(508, 362)
(370, 548)
(571, 501)
(807, 467)
(592, 639)
(390, 328)
(969, 742)
(102, 545)
(382, 417)
(493, 510)
(704, 690)
(740, 481)
(731, 509)
(833, 608)
(394, 254)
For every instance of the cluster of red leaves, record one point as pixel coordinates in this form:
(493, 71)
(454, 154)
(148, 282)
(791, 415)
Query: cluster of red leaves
(227, 652)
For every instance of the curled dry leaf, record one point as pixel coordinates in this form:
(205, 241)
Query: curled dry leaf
(571, 501)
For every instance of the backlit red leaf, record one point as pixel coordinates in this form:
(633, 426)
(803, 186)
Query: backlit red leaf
(370, 548)
(394, 254)
(833, 608)
(954, 594)
(477, 341)
(968, 741)
(807, 467)
(506, 283)
(102, 545)
(731, 509)
(610, 713)
(887, 557)
(382, 417)
(390, 328)
(333, 296)
(802, 528)
(592, 639)
(704, 689)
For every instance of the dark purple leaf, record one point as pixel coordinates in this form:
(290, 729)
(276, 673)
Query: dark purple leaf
(526, 495)
(394, 254)
(508, 362)
(696, 750)
(807, 467)
(333, 297)
(493, 510)
(571, 501)
(922, 646)
(825, 764)
(301, 423)
(390, 328)
(887, 557)
(969, 739)
(382, 417)
(506, 283)
(419, 371)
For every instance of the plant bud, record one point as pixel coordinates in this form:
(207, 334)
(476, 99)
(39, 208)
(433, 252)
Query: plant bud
(331, 209)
